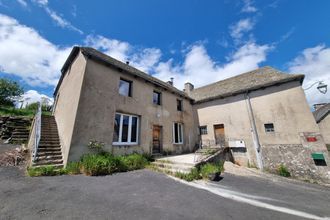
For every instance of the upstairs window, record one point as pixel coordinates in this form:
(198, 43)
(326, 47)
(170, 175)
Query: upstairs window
(203, 129)
(179, 105)
(269, 127)
(125, 88)
(126, 128)
(178, 133)
(156, 98)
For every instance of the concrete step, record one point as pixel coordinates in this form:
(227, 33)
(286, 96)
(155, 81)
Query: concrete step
(49, 153)
(173, 167)
(43, 145)
(56, 166)
(47, 162)
(54, 149)
(49, 157)
(49, 142)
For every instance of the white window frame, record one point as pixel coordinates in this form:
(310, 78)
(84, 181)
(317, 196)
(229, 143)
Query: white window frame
(119, 142)
(180, 129)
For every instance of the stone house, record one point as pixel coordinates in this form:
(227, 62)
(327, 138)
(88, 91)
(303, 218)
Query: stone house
(322, 118)
(262, 115)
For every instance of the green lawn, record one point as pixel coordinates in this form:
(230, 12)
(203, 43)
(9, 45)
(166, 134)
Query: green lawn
(10, 111)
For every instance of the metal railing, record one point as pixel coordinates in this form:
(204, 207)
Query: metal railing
(37, 135)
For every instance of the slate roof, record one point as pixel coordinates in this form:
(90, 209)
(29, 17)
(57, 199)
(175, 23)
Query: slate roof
(321, 113)
(253, 80)
(107, 60)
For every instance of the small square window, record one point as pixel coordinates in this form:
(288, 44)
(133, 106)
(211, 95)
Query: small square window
(179, 105)
(125, 88)
(156, 98)
(203, 130)
(269, 127)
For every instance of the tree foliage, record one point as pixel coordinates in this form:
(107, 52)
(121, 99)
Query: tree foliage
(9, 90)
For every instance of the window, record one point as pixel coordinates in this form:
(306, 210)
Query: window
(269, 127)
(179, 105)
(156, 98)
(125, 88)
(177, 133)
(126, 129)
(203, 129)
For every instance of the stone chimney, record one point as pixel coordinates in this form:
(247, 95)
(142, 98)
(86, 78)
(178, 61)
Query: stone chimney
(188, 87)
(318, 105)
(171, 82)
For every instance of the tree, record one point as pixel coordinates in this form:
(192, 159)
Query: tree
(9, 91)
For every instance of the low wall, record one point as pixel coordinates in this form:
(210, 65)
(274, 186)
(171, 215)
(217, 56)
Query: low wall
(297, 159)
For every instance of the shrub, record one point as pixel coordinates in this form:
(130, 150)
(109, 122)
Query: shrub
(283, 171)
(133, 162)
(210, 168)
(73, 168)
(100, 164)
(96, 145)
(193, 175)
(44, 171)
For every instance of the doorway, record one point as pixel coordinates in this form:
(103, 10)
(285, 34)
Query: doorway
(219, 134)
(157, 139)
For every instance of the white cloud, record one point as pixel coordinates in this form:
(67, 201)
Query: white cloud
(58, 19)
(199, 68)
(41, 2)
(22, 2)
(248, 6)
(61, 21)
(142, 58)
(242, 26)
(114, 48)
(32, 96)
(315, 64)
(25, 53)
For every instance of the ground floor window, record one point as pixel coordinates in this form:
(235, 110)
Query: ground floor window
(126, 129)
(177, 133)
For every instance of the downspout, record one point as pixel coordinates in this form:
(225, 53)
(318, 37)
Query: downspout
(254, 131)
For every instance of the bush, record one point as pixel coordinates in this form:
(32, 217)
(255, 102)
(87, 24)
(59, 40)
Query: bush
(193, 175)
(100, 164)
(210, 168)
(283, 171)
(73, 168)
(45, 171)
(133, 162)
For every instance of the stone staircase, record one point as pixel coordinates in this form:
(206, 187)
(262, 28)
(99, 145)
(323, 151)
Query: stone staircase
(49, 150)
(15, 129)
(172, 164)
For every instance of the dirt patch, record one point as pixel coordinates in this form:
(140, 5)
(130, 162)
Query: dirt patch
(13, 157)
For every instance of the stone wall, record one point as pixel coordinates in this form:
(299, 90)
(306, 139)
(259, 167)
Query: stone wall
(15, 129)
(297, 159)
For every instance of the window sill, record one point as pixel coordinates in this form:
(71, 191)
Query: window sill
(124, 144)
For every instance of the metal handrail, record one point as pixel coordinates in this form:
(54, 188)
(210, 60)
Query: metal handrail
(37, 129)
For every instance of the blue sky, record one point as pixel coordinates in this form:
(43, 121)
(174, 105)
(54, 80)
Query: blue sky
(197, 41)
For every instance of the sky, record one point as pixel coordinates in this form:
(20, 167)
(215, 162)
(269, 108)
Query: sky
(191, 40)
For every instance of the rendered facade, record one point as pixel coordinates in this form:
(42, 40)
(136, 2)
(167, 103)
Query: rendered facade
(255, 113)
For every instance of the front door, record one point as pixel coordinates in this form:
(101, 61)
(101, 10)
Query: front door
(219, 133)
(156, 139)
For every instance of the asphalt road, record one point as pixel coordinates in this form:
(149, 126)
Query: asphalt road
(146, 195)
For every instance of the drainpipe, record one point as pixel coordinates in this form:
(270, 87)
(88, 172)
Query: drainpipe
(254, 131)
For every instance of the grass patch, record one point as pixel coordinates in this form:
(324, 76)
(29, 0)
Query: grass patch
(73, 168)
(283, 171)
(11, 111)
(45, 171)
(211, 168)
(193, 175)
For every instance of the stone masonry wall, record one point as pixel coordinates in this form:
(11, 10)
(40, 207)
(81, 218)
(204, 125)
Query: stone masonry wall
(297, 159)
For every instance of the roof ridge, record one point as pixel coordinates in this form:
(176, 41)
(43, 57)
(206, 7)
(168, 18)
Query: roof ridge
(240, 75)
